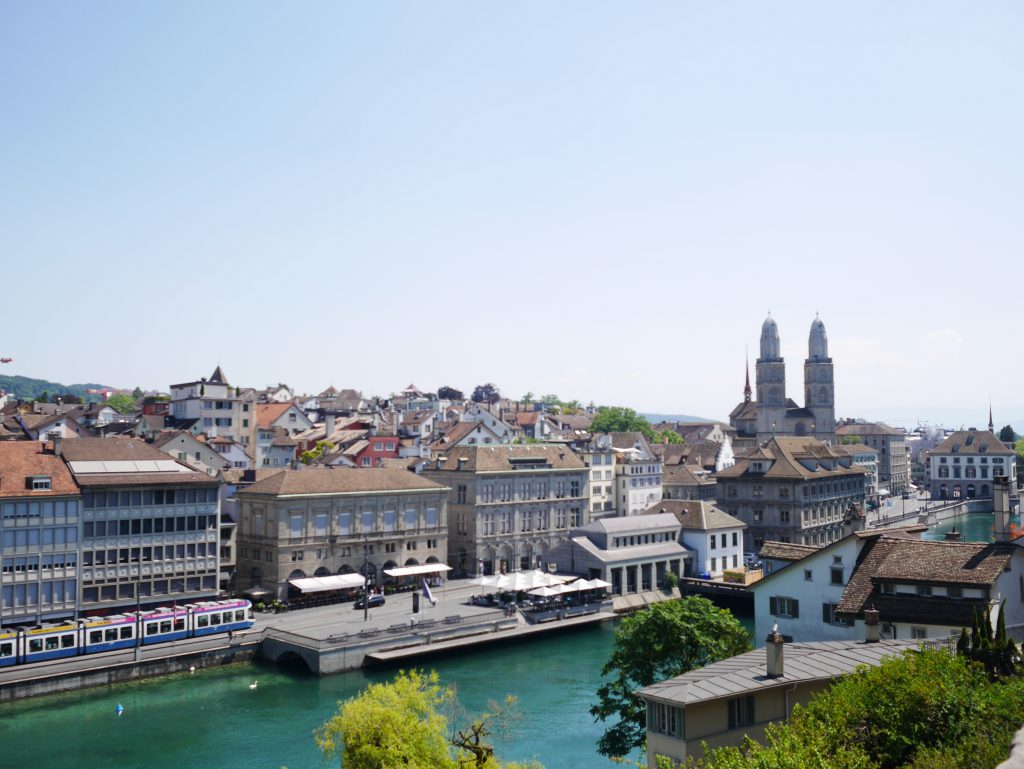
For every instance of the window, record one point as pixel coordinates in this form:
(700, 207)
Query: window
(955, 591)
(781, 606)
(665, 719)
(460, 494)
(734, 541)
(808, 575)
(836, 573)
(783, 516)
(712, 542)
(40, 483)
(924, 590)
(918, 632)
(741, 711)
(758, 515)
(828, 615)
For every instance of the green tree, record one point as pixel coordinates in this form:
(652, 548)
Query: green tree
(407, 724)
(447, 393)
(619, 419)
(669, 436)
(312, 455)
(486, 393)
(1007, 434)
(397, 724)
(137, 393)
(922, 710)
(850, 440)
(122, 403)
(659, 642)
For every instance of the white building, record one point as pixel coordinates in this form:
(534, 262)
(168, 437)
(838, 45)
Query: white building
(637, 473)
(714, 538)
(217, 407)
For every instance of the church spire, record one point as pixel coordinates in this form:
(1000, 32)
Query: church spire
(746, 389)
(991, 424)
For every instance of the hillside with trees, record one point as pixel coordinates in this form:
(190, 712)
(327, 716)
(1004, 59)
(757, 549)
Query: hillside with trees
(27, 388)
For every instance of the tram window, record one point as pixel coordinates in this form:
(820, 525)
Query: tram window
(52, 642)
(202, 621)
(214, 619)
(6, 650)
(35, 645)
(240, 615)
(110, 634)
(67, 641)
(152, 628)
(179, 624)
(165, 626)
(126, 632)
(95, 636)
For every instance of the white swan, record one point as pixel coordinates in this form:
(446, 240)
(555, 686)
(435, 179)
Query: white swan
(254, 684)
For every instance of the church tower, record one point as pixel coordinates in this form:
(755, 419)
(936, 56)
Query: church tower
(771, 382)
(819, 384)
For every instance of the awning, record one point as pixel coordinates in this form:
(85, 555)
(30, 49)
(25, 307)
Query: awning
(415, 571)
(882, 492)
(256, 592)
(333, 582)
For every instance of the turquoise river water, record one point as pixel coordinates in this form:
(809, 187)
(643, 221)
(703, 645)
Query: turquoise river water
(212, 720)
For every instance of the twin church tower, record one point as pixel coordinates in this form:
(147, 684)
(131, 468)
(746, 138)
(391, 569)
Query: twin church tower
(775, 414)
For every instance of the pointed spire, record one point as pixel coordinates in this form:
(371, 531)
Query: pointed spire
(217, 377)
(746, 389)
(991, 425)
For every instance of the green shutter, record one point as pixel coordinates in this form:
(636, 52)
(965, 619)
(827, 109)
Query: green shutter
(773, 606)
(796, 607)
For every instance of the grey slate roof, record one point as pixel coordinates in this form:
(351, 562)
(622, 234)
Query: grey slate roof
(746, 673)
(696, 514)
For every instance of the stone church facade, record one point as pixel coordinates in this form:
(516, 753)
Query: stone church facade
(773, 414)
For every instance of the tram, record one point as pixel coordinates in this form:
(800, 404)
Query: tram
(19, 646)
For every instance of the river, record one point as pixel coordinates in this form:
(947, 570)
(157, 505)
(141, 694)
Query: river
(212, 719)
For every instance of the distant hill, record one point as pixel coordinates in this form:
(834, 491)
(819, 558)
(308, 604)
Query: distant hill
(27, 388)
(655, 418)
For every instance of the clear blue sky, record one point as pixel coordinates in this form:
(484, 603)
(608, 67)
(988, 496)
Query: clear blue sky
(600, 200)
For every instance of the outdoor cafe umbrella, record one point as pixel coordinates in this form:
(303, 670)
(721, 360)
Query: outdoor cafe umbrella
(544, 591)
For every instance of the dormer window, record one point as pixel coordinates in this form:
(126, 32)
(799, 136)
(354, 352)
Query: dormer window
(39, 483)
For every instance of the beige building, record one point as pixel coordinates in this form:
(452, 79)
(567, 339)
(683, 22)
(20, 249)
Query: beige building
(793, 490)
(318, 522)
(724, 702)
(891, 445)
(509, 505)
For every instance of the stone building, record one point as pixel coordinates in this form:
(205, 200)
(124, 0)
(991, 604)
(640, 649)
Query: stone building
(775, 414)
(319, 522)
(510, 504)
(965, 464)
(891, 445)
(792, 490)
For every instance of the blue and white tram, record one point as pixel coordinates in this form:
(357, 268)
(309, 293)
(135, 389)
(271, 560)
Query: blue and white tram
(121, 631)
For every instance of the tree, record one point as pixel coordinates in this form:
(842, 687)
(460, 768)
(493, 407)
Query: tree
(406, 724)
(528, 398)
(391, 725)
(669, 436)
(122, 403)
(447, 393)
(659, 642)
(850, 440)
(619, 419)
(486, 393)
(137, 393)
(1007, 434)
(312, 455)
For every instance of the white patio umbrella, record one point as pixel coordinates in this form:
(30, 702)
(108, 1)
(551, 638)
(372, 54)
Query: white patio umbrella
(544, 591)
(485, 581)
(597, 584)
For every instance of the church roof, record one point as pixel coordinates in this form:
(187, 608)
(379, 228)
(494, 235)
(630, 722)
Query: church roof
(217, 377)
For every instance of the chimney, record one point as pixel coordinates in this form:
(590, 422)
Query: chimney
(328, 425)
(1001, 506)
(58, 447)
(871, 626)
(773, 646)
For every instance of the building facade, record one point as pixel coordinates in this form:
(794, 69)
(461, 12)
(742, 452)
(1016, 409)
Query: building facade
(773, 413)
(40, 512)
(150, 526)
(891, 445)
(965, 464)
(637, 473)
(510, 504)
(323, 521)
(217, 407)
(792, 490)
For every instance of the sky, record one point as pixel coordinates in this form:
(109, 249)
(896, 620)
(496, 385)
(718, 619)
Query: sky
(600, 200)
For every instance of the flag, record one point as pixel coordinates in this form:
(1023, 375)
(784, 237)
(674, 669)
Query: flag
(428, 595)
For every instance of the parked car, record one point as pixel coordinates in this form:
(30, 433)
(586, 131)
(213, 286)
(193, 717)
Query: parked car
(374, 599)
(751, 561)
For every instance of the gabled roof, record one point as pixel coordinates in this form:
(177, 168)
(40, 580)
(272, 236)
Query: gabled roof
(785, 454)
(696, 515)
(785, 551)
(926, 562)
(20, 460)
(217, 377)
(341, 480)
(867, 428)
(972, 442)
(509, 458)
(268, 413)
(683, 475)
